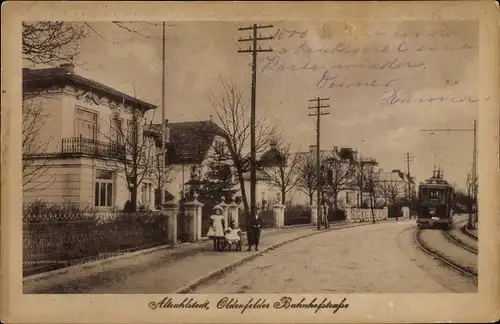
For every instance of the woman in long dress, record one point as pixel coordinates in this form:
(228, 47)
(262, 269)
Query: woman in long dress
(218, 226)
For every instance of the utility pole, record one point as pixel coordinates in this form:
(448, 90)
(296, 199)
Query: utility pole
(474, 177)
(253, 49)
(318, 115)
(163, 121)
(474, 165)
(409, 159)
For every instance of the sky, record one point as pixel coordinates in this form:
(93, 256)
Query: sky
(385, 81)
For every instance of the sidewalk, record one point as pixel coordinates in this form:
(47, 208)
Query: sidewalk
(162, 271)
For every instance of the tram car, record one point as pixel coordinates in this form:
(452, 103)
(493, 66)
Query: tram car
(435, 203)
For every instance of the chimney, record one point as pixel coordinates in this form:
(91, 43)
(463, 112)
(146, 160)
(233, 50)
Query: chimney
(273, 144)
(69, 67)
(312, 148)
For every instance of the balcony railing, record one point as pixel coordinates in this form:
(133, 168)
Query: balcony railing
(85, 146)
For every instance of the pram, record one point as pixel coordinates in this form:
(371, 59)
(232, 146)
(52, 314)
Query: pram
(233, 238)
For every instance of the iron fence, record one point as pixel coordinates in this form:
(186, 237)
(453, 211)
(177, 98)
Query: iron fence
(297, 215)
(52, 241)
(80, 145)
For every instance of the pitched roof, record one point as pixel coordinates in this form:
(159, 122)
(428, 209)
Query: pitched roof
(272, 157)
(190, 141)
(34, 79)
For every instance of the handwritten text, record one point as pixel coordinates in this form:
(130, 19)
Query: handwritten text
(396, 96)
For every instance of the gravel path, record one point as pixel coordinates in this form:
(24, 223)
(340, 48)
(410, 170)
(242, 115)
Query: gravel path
(366, 259)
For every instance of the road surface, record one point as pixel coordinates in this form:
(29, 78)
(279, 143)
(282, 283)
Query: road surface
(381, 258)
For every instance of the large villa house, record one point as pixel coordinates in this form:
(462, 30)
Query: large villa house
(79, 155)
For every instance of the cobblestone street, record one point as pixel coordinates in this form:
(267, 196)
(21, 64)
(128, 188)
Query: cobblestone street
(368, 259)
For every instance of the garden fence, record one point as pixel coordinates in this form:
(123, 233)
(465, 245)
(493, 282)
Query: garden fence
(52, 241)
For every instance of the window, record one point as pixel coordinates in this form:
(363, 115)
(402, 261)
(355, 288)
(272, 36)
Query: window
(117, 130)
(348, 197)
(103, 194)
(219, 147)
(86, 124)
(132, 134)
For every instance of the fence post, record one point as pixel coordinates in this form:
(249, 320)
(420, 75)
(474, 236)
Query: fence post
(234, 212)
(193, 213)
(170, 210)
(406, 212)
(199, 213)
(279, 217)
(314, 214)
(283, 216)
(348, 214)
(224, 207)
(385, 214)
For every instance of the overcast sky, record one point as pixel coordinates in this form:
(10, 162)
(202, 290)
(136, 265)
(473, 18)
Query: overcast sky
(379, 79)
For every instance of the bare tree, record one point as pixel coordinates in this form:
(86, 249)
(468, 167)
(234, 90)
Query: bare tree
(371, 184)
(51, 42)
(340, 174)
(283, 173)
(233, 117)
(359, 179)
(135, 148)
(160, 175)
(472, 186)
(306, 174)
(36, 163)
(390, 189)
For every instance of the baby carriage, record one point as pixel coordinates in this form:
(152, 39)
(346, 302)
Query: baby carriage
(233, 238)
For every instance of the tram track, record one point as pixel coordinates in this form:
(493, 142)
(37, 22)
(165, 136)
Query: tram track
(466, 231)
(459, 242)
(468, 271)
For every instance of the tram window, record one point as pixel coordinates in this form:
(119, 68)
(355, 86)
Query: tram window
(435, 193)
(423, 193)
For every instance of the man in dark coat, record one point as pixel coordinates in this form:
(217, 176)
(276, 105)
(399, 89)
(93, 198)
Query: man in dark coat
(254, 230)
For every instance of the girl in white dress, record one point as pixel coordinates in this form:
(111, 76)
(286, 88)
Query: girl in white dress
(233, 236)
(217, 224)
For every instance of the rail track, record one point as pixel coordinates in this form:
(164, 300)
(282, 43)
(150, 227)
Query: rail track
(466, 271)
(458, 242)
(466, 231)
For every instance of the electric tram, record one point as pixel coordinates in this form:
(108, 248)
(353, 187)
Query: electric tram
(435, 197)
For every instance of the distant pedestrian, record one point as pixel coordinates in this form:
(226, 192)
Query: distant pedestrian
(254, 230)
(217, 225)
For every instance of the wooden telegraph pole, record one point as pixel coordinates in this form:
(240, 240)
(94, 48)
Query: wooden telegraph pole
(163, 121)
(253, 49)
(409, 159)
(318, 115)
